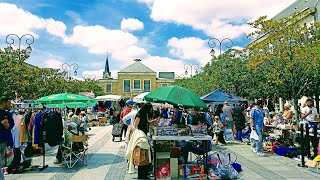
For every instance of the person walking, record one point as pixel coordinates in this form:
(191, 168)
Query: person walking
(239, 119)
(124, 112)
(256, 121)
(228, 112)
(6, 125)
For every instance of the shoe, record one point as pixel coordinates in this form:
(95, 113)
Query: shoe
(261, 154)
(57, 162)
(254, 150)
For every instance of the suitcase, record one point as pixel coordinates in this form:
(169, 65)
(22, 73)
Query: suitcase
(117, 131)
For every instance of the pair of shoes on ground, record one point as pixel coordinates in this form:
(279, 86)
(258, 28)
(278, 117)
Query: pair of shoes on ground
(261, 154)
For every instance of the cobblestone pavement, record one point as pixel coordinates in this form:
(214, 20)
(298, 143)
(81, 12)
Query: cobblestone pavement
(118, 169)
(106, 161)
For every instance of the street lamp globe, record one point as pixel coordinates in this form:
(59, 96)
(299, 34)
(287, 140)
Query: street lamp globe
(8, 49)
(28, 50)
(212, 53)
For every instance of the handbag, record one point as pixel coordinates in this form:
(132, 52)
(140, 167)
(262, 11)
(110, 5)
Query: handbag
(140, 156)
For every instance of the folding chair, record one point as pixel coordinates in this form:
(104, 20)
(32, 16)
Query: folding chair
(200, 151)
(71, 155)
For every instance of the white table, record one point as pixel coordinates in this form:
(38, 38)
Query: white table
(180, 138)
(204, 138)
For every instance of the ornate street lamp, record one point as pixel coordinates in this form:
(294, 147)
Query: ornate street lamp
(29, 39)
(68, 68)
(192, 66)
(212, 44)
(91, 77)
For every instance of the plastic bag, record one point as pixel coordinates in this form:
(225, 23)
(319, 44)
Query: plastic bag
(229, 135)
(254, 136)
(226, 171)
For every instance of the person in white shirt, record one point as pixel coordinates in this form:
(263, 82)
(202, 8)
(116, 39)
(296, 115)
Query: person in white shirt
(309, 112)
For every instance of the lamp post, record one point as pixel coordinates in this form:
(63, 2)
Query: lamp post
(29, 39)
(191, 66)
(91, 77)
(212, 44)
(68, 68)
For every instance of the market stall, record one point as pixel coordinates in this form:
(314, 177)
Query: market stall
(107, 104)
(169, 143)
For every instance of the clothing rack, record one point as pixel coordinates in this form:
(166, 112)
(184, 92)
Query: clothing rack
(27, 106)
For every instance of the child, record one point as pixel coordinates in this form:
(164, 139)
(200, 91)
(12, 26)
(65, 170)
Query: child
(218, 126)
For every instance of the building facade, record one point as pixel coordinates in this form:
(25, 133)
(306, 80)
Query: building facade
(134, 79)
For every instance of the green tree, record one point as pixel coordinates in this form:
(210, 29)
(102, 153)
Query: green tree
(285, 55)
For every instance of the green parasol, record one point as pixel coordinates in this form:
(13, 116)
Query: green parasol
(177, 95)
(65, 98)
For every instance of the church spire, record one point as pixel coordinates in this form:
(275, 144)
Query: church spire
(107, 73)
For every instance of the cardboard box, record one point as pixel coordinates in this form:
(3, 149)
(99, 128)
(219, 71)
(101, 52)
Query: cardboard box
(313, 166)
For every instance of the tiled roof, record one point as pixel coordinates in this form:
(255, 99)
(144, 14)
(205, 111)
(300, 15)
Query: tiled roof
(137, 67)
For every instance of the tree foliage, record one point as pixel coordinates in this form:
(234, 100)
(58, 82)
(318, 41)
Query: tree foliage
(32, 82)
(282, 61)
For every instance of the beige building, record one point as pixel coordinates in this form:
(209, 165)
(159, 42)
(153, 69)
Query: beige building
(134, 79)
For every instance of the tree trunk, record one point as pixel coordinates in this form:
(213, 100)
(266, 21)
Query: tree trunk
(317, 101)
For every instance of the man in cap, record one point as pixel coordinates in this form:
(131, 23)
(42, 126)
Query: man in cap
(6, 125)
(125, 111)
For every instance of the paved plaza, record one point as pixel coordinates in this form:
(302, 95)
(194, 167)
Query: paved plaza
(106, 161)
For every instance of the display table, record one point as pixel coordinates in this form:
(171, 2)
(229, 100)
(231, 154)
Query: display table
(204, 139)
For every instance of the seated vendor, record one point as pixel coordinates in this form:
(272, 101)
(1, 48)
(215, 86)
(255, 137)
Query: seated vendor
(309, 112)
(287, 114)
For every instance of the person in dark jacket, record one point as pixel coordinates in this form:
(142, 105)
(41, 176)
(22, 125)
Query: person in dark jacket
(141, 122)
(239, 119)
(6, 125)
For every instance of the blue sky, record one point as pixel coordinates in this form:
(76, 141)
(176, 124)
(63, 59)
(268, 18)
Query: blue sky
(165, 34)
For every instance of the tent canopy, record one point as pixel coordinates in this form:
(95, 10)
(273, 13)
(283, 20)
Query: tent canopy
(140, 98)
(219, 96)
(108, 98)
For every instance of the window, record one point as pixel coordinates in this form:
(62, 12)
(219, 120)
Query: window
(136, 84)
(126, 86)
(109, 87)
(163, 85)
(146, 85)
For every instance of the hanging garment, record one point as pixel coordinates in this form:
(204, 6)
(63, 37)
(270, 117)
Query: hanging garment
(31, 122)
(24, 136)
(53, 128)
(15, 131)
(36, 130)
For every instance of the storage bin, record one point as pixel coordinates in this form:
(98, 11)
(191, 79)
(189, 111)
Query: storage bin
(281, 151)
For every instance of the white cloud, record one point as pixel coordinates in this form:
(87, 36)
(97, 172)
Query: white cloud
(99, 39)
(190, 48)
(131, 24)
(53, 63)
(18, 21)
(75, 17)
(216, 18)
(147, 2)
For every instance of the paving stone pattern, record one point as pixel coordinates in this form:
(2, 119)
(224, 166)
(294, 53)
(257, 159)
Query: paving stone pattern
(118, 169)
(66, 173)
